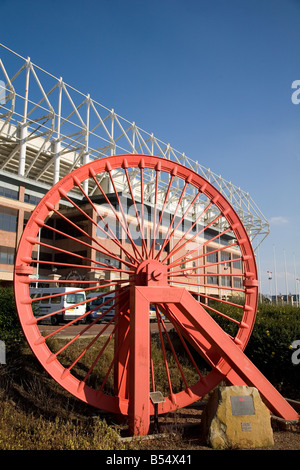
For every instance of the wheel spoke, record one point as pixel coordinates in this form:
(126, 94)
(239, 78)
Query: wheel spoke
(63, 310)
(103, 250)
(146, 254)
(167, 237)
(112, 237)
(189, 240)
(96, 242)
(99, 355)
(152, 375)
(152, 249)
(118, 219)
(137, 216)
(166, 363)
(178, 261)
(156, 227)
(81, 266)
(187, 350)
(109, 338)
(180, 221)
(103, 266)
(159, 319)
(127, 229)
(203, 245)
(211, 286)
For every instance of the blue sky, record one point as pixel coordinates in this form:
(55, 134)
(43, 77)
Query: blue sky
(212, 77)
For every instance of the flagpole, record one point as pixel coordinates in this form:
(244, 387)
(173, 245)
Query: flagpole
(286, 281)
(295, 279)
(275, 275)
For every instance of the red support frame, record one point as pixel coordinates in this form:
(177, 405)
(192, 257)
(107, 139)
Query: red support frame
(233, 363)
(139, 366)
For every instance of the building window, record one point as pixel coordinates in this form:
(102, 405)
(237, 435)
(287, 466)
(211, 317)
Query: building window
(108, 228)
(237, 264)
(212, 280)
(225, 256)
(211, 257)
(8, 219)
(45, 257)
(225, 281)
(9, 193)
(65, 227)
(108, 261)
(7, 255)
(26, 218)
(66, 258)
(31, 199)
(237, 282)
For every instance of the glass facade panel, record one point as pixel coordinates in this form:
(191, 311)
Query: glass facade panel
(8, 219)
(7, 255)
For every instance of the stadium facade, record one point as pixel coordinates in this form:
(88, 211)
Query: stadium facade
(47, 130)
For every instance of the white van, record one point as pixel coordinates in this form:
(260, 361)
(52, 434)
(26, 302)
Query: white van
(68, 302)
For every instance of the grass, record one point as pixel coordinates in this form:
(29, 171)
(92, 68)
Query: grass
(38, 414)
(25, 431)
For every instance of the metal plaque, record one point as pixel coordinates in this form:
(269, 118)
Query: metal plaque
(156, 397)
(246, 426)
(242, 405)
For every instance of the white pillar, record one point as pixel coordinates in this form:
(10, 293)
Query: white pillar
(85, 157)
(23, 126)
(56, 152)
(22, 157)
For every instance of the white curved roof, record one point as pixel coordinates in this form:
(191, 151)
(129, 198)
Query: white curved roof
(47, 129)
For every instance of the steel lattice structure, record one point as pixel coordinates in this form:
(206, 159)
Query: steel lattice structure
(48, 129)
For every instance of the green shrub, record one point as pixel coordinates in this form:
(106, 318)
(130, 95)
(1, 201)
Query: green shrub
(269, 347)
(9, 322)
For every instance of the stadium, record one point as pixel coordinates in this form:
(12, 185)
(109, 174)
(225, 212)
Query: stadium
(47, 130)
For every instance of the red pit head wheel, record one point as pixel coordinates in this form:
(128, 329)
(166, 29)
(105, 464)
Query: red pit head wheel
(117, 223)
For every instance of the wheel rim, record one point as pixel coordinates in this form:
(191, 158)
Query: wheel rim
(168, 215)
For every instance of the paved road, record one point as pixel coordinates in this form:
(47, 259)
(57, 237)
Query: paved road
(73, 330)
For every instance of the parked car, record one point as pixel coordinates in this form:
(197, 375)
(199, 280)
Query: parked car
(99, 305)
(104, 303)
(152, 314)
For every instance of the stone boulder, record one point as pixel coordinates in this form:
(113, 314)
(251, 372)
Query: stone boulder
(236, 418)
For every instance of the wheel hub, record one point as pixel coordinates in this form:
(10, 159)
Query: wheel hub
(151, 273)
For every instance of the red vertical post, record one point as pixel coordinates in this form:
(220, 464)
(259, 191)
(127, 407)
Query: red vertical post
(121, 347)
(139, 386)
